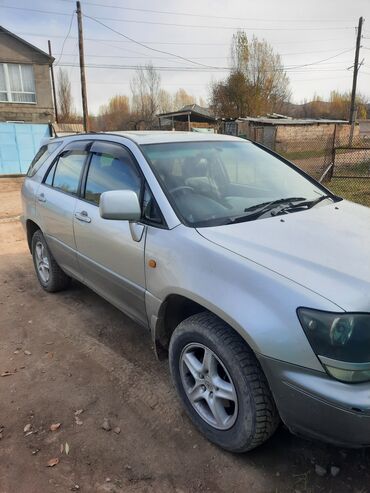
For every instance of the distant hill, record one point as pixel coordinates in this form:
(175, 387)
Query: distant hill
(319, 109)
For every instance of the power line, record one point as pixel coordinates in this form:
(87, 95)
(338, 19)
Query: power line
(188, 59)
(204, 26)
(146, 46)
(282, 69)
(207, 16)
(196, 58)
(127, 83)
(233, 28)
(193, 69)
(159, 68)
(65, 39)
(287, 68)
(321, 78)
(324, 60)
(186, 43)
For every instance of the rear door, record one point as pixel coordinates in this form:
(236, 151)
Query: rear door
(56, 201)
(111, 260)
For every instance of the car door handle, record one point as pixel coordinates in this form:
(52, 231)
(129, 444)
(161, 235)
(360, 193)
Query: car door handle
(41, 197)
(83, 216)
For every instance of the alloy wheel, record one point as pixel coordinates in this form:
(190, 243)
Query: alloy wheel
(42, 262)
(208, 386)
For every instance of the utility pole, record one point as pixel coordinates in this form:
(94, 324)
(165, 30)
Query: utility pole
(82, 68)
(53, 84)
(352, 112)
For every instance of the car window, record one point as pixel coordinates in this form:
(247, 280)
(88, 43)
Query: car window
(42, 154)
(50, 175)
(151, 211)
(107, 172)
(67, 171)
(214, 182)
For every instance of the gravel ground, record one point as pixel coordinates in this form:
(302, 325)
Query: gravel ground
(71, 358)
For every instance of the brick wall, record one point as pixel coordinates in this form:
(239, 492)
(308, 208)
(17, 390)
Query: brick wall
(292, 138)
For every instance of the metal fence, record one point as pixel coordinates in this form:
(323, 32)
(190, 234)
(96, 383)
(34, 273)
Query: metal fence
(343, 168)
(19, 142)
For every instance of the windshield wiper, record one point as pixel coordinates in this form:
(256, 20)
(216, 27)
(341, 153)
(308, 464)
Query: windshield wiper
(255, 211)
(307, 204)
(273, 203)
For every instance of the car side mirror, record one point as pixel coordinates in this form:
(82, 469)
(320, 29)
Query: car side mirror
(120, 205)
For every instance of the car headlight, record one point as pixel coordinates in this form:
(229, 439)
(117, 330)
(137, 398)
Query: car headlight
(341, 341)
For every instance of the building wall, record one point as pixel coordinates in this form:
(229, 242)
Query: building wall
(184, 127)
(292, 138)
(14, 51)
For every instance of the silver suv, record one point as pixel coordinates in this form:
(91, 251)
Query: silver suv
(252, 277)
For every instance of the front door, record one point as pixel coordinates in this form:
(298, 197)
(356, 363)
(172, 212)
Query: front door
(111, 261)
(56, 201)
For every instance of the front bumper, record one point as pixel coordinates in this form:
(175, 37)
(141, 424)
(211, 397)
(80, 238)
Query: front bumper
(313, 404)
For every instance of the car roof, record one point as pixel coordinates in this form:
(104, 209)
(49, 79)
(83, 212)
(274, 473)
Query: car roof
(158, 136)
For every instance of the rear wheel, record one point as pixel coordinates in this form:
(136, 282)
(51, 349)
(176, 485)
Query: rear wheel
(221, 384)
(50, 275)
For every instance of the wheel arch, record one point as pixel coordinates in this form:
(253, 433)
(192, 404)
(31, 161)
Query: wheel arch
(31, 228)
(177, 307)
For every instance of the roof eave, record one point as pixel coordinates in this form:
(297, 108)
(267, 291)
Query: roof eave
(21, 40)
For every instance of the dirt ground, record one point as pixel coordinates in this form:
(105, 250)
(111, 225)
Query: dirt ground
(72, 351)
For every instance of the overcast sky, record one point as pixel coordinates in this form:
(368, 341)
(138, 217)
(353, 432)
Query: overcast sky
(303, 32)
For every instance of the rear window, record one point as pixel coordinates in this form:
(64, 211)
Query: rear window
(42, 154)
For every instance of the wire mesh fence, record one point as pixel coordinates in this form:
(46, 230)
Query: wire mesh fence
(342, 166)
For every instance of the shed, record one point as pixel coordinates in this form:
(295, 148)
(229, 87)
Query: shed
(286, 134)
(188, 117)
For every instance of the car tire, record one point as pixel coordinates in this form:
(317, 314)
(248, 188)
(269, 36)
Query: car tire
(50, 275)
(221, 384)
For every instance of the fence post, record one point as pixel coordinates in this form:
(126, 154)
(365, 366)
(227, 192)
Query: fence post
(331, 171)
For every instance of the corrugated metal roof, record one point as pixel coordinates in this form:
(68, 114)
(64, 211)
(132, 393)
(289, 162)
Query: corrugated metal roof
(192, 109)
(288, 121)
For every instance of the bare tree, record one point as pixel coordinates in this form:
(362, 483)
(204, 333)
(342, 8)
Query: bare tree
(145, 88)
(153, 82)
(65, 101)
(336, 107)
(115, 115)
(182, 98)
(202, 102)
(257, 83)
(239, 51)
(165, 101)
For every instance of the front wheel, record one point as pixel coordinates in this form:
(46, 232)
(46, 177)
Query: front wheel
(221, 384)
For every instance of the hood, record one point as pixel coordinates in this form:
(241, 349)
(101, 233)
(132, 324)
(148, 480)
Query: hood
(326, 249)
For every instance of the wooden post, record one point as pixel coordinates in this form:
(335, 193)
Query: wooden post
(189, 126)
(82, 69)
(355, 72)
(53, 84)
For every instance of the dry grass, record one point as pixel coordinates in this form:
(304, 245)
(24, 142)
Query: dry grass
(354, 189)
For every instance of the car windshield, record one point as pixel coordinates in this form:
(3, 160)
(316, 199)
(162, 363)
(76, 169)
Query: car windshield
(219, 182)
